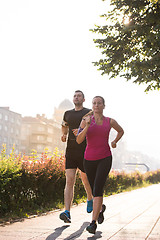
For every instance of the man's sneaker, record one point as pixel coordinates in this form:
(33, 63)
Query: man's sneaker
(92, 227)
(101, 216)
(89, 206)
(65, 216)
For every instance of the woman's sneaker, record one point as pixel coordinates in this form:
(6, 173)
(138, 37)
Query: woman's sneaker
(92, 227)
(89, 206)
(101, 216)
(65, 216)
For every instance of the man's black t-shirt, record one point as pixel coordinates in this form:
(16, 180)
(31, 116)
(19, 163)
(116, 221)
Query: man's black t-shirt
(73, 119)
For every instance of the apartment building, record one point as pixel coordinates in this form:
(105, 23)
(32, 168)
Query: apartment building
(32, 133)
(40, 133)
(10, 129)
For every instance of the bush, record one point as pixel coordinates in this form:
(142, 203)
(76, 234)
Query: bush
(31, 183)
(119, 181)
(153, 176)
(10, 173)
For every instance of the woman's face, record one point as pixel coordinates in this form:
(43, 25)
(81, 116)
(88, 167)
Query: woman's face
(97, 105)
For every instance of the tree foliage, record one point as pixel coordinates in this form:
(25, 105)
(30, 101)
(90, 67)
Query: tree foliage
(130, 42)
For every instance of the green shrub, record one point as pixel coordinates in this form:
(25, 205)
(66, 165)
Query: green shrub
(10, 173)
(153, 176)
(31, 183)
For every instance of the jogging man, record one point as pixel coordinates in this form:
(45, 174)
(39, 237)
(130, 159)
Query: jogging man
(74, 155)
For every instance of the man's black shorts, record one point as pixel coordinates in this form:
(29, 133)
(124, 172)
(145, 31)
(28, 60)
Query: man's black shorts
(74, 159)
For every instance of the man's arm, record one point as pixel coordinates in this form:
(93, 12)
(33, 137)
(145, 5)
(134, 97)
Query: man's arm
(64, 130)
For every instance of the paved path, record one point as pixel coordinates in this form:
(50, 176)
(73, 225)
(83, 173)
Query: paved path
(130, 215)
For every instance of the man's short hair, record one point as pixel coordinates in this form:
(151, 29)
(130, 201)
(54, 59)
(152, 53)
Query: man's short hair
(80, 92)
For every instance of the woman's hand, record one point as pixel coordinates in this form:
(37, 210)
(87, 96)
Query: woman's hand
(88, 120)
(75, 131)
(113, 144)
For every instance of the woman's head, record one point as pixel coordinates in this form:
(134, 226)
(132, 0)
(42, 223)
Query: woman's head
(98, 104)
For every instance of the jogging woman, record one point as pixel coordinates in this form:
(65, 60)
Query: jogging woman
(98, 157)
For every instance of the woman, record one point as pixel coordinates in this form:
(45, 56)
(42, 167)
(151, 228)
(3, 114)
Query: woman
(98, 157)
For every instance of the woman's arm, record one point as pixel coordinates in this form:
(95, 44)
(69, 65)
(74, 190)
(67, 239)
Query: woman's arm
(119, 130)
(85, 123)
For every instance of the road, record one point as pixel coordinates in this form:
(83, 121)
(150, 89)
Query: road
(128, 216)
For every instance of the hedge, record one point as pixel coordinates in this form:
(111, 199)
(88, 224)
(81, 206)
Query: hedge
(31, 182)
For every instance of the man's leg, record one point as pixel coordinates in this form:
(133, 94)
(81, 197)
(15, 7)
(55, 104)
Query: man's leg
(69, 188)
(68, 195)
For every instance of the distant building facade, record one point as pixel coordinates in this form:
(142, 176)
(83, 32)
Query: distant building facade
(40, 133)
(58, 112)
(10, 129)
(32, 133)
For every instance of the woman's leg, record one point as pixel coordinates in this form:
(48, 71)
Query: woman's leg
(97, 205)
(103, 169)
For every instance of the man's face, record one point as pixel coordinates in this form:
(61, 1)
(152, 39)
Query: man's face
(78, 99)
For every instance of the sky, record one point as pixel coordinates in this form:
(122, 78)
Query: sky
(46, 53)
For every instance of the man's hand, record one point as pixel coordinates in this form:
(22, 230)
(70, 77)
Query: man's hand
(64, 138)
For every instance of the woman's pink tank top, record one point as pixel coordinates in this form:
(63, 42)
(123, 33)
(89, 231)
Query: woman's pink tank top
(97, 140)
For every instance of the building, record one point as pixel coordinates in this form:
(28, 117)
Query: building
(58, 112)
(32, 133)
(40, 133)
(10, 129)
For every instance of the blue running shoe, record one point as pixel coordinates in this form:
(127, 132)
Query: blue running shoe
(89, 206)
(65, 216)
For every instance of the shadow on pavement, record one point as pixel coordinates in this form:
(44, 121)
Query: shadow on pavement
(78, 232)
(57, 233)
(96, 236)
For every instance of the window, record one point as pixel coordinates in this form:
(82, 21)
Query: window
(17, 132)
(0, 115)
(50, 130)
(0, 126)
(40, 138)
(6, 128)
(18, 121)
(6, 117)
(12, 120)
(49, 139)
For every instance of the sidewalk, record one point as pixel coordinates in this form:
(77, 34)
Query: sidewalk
(128, 216)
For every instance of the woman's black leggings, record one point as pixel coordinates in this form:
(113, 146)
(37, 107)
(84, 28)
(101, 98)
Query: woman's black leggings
(97, 172)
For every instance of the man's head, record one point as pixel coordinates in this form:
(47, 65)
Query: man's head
(78, 98)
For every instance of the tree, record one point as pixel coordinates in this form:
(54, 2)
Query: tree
(130, 42)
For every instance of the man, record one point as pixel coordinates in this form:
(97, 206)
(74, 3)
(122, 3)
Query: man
(74, 155)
